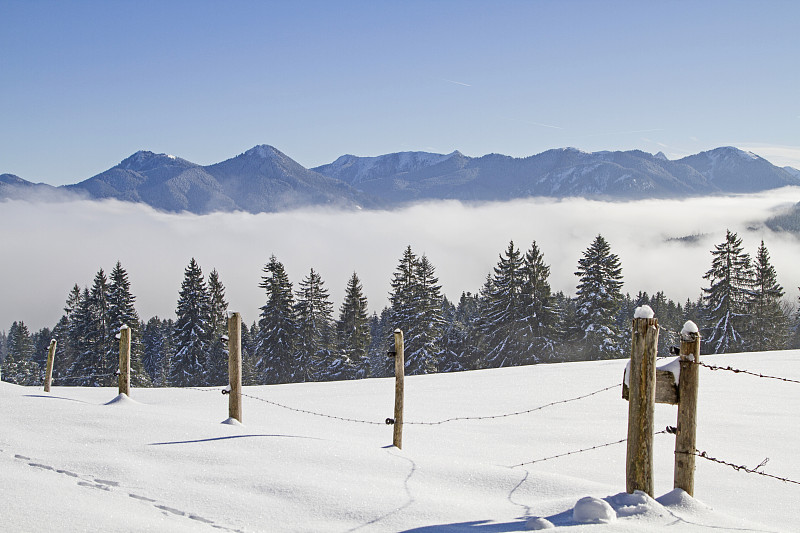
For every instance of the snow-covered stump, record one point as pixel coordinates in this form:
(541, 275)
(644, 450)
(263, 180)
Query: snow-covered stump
(48, 374)
(399, 374)
(686, 435)
(235, 365)
(642, 401)
(125, 360)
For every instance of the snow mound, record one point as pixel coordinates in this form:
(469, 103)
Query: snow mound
(591, 510)
(680, 500)
(232, 422)
(644, 311)
(536, 523)
(122, 399)
(638, 503)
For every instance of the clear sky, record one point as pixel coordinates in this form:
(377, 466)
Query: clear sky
(84, 84)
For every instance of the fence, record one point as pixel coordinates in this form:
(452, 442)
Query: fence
(644, 384)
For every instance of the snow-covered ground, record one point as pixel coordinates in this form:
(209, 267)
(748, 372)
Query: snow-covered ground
(75, 460)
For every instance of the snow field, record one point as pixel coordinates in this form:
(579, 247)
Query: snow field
(163, 461)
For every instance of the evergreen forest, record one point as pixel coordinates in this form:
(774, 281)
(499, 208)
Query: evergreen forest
(513, 319)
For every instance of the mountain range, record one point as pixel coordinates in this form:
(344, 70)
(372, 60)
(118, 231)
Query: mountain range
(263, 179)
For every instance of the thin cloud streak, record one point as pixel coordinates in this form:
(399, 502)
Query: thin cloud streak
(51, 246)
(457, 82)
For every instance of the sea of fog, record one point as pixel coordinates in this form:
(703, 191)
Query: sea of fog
(49, 247)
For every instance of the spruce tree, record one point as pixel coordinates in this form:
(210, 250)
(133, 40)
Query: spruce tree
(277, 327)
(122, 312)
(353, 335)
(505, 324)
(769, 327)
(216, 363)
(539, 315)
(416, 309)
(64, 333)
(91, 333)
(314, 359)
(426, 334)
(598, 299)
(380, 329)
(18, 366)
(726, 302)
(192, 329)
(3, 346)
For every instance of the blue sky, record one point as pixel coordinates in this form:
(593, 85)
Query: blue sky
(85, 84)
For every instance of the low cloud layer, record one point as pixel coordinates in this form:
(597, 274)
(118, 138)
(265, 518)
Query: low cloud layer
(48, 247)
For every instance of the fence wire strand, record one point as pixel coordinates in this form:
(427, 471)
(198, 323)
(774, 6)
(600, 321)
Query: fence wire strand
(516, 413)
(740, 371)
(389, 421)
(582, 450)
(743, 468)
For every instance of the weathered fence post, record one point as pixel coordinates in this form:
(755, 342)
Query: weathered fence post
(48, 374)
(235, 366)
(125, 360)
(641, 405)
(686, 434)
(399, 374)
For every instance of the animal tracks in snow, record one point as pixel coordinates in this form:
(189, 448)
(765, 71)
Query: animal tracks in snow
(110, 486)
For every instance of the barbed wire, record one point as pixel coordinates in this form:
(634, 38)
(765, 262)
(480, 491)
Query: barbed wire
(582, 450)
(516, 413)
(390, 421)
(744, 468)
(297, 410)
(76, 378)
(740, 371)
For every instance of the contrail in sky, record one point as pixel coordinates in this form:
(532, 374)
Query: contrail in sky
(457, 82)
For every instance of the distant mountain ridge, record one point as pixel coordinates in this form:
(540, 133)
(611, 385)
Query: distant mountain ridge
(263, 179)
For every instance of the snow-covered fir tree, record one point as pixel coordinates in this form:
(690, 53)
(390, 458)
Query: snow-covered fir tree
(769, 325)
(192, 330)
(598, 298)
(277, 328)
(93, 365)
(249, 376)
(417, 310)
(122, 312)
(380, 329)
(3, 346)
(67, 347)
(726, 302)
(216, 363)
(353, 336)
(157, 347)
(18, 366)
(540, 312)
(454, 337)
(314, 358)
(505, 325)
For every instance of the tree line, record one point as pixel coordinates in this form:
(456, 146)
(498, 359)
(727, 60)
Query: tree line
(514, 319)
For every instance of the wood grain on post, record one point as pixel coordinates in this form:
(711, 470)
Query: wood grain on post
(641, 405)
(686, 435)
(399, 374)
(235, 366)
(48, 375)
(125, 360)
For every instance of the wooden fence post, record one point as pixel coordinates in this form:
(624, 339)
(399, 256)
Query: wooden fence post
(125, 360)
(48, 375)
(399, 374)
(641, 405)
(686, 435)
(235, 366)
